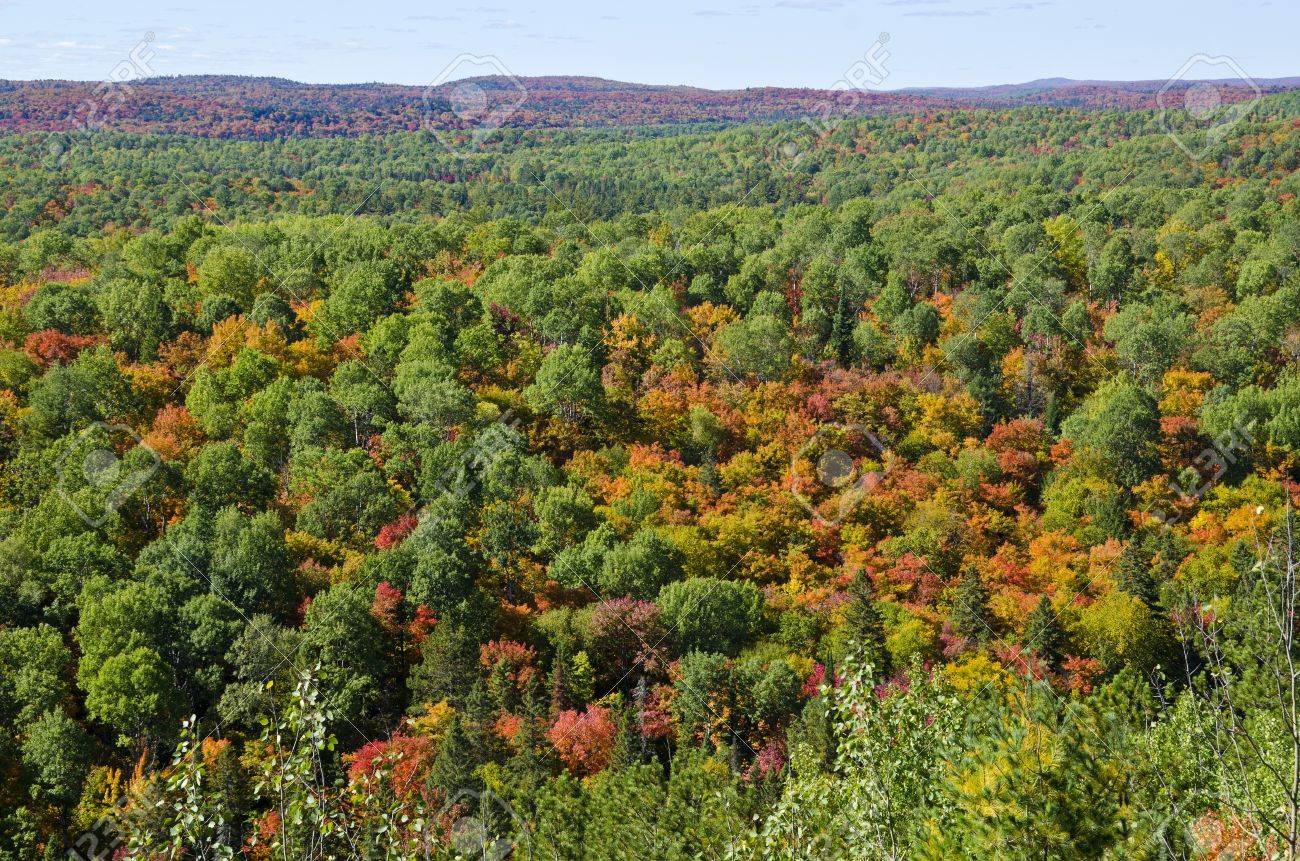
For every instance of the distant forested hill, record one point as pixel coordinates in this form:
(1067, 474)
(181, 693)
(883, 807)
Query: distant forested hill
(243, 107)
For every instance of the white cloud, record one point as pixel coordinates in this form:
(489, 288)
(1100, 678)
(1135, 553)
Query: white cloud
(810, 5)
(948, 13)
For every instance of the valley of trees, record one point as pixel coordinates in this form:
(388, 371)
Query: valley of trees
(639, 493)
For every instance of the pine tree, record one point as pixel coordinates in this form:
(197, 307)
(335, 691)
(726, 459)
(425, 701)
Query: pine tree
(448, 666)
(560, 699)
(1127, 698)
(1242, 559)
(1134, 572)
(970, 612)
(842, 333)
(1052, 414)
(530, 766)
(812, 735)
(502, 688)
(637, 707)
(1043, 632)
(1167, 555)
(453, 768)
(628, 744)
(479, 723)
(709, 474)
(865, 628)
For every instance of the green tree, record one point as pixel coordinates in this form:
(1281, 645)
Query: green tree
(427, 392)
(565, 514)
(711, 615)
(1110, 276)
(1115, 431)
(567, 385)
(91, 388)
(970, 614)
(359, 294)
(453, 769)
(137, 317)
(251, 565)
(33, 664)
(758, 346)
(447, 668)
(133, 691)
(64, 307)
(340, 634)
(886, 780)
(1043, 633)
(1043, 785)
(352, 499)
(367, 403)
(864, 626)
(57, 751)
(221, 476)
(640, 567)
(230, 270)
(1150, 338)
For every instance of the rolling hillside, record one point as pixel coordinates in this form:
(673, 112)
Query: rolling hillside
(243, 107)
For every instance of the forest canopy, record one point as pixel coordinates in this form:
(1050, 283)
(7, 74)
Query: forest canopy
(636, 493)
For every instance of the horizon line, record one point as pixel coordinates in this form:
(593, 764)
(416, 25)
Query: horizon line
(1047, 82)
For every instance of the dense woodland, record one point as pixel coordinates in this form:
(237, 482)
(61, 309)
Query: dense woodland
(85, 182)
(267, 108)
(923, 490)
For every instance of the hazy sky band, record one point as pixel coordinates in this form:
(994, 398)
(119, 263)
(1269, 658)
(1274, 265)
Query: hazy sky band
(711, 43)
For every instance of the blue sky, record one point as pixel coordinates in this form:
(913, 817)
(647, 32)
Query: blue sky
(711, 43)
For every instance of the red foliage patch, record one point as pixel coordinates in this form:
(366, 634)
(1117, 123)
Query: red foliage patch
(1078, 674)
(770, 760)
(618, 634)
(584, 740)
(393, 533)
(50, 346)
(814, 681)
(405, 759)
(517, 658)
(421, 624)
(656, 713)
(386, 607)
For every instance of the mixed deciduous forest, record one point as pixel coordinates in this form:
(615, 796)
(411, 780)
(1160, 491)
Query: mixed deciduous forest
(921, 489)
(261, 108)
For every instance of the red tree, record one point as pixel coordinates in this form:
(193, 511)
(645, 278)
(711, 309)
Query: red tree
(584, 740)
